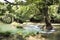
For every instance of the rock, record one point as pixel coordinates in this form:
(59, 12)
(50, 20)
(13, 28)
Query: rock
(15, 24)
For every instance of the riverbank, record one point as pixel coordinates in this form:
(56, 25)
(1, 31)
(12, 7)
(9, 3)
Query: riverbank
(53, 36)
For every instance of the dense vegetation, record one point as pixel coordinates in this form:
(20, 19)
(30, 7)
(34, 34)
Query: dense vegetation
(31, 10)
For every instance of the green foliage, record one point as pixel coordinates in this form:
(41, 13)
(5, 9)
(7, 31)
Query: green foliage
(53, 9)
(57, 17)
(6, 19)
(25, 12)
(53, 12)
(19, 12)
(38, 17)
(2, 9)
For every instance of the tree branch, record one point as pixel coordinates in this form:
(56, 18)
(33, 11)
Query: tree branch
(11, 3)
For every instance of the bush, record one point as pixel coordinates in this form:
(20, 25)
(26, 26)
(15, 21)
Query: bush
(53, 12)
(37, 18)
(25, 13)
(20, 12)
(57, 19)
(6, 19)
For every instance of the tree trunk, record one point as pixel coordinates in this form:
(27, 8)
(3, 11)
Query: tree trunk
(47, 18)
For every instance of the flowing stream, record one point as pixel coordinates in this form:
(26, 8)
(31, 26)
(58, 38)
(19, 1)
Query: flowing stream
(53, 36)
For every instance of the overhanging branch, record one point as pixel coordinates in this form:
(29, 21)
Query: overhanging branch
(11, 3)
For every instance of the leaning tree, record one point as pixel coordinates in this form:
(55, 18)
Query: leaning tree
(46, 14)
(44, 3)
